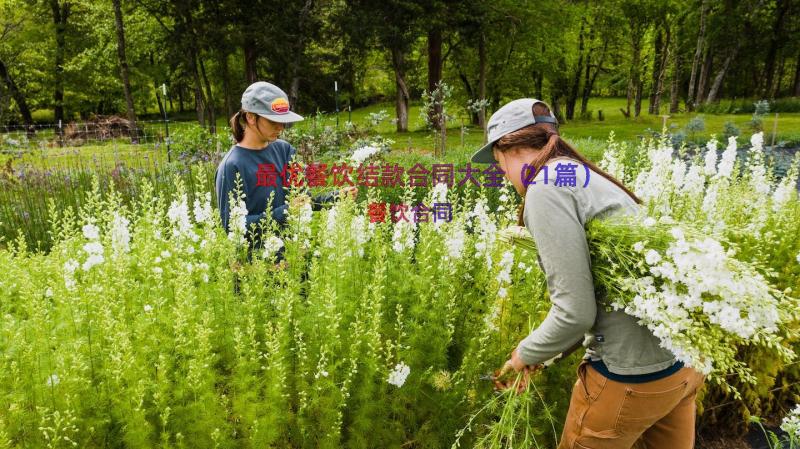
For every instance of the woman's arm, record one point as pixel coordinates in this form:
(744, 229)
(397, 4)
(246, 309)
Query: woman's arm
(551, 215)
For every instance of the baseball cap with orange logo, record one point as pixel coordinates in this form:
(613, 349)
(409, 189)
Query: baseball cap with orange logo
(270, 102)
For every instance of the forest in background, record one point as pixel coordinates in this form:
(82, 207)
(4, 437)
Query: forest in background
(63, 60)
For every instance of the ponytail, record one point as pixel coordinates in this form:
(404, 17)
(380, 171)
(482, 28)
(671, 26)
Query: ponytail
(237, 127)
(546, 137)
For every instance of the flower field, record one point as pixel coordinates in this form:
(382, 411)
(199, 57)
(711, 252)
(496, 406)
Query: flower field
(147, 325)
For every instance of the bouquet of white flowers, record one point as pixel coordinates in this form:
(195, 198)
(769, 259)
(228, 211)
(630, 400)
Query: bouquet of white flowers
(688, 289)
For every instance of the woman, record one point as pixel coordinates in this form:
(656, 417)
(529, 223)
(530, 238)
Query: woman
(261, 159)
(630, 392)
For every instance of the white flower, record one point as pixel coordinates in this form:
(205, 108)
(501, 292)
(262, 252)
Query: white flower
(166, 254)
(158, 270)
(203, 212)
(120, 235)
(364, 153)
(48, 293)
(728, 159)
(148, 308)
(399, 374)
(69, 273)
(652, 257)
(272, 245)
(92, 260)
(638, 247)
(91, 232)
(502, 293)
(403, 236)
(506, 264)
(710, 168)
(454, 242)
(52, 380)
(178, 215)
(649, 222)
(791, 423)
(238, 222)
(439, 193)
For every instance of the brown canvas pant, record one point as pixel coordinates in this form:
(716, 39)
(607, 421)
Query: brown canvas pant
(605, 414)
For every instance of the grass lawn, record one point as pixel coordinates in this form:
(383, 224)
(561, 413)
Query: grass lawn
(587, 135)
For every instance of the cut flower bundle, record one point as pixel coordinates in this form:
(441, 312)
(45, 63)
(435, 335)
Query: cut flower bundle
(693, 294)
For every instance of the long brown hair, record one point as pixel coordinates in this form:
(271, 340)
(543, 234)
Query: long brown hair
(546, 137)
(237, 125)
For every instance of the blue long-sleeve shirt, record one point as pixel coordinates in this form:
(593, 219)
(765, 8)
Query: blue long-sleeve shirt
(263, 173)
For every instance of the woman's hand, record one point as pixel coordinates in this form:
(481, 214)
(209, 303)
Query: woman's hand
(349, 190)
(516, 364)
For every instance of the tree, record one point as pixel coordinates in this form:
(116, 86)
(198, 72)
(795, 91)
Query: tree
(123, 61)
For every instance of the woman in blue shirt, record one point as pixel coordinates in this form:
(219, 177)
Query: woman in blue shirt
(261, 159)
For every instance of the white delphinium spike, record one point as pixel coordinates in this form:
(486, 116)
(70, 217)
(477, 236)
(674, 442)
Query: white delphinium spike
(399, 374)
(178, 214)
(93, 248)
(91, 232)
(203, 211)
(710, 167)
(69, 273)
(362, 154)
(787, 188)
(612, 159)
(693, 182)
(403, 236)
(487, 234)
(455, 242)
(272, 245)
(759, 180)
(237, 223)
(728, 159)
(120, 235)
(361, 233)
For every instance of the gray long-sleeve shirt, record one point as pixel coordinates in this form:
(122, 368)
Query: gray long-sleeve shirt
(263, 173)
(556, 217)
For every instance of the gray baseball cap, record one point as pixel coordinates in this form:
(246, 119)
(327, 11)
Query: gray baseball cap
(511, 117)
(270, 102)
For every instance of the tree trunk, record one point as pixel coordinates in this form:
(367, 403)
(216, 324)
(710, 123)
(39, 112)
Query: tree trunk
(555, 104)
(473, 116)
(674, 91)
(482, 81)
(712, 93)
(588, 84)
(294, 90)
(199, 101)
(401, 103)
(123, 64)
(250, 57)
(704, 72)
(226, 85)
(635, 85)
(659, 73)
(212, 116)
(775, 42)
(434, 73)
(572, 96)
(19, 98)
(797, 78)
(697, 54)
(161, 105)
(60, 15)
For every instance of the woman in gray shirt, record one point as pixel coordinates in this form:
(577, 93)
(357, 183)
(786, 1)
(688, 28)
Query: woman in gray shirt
(630, 391)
